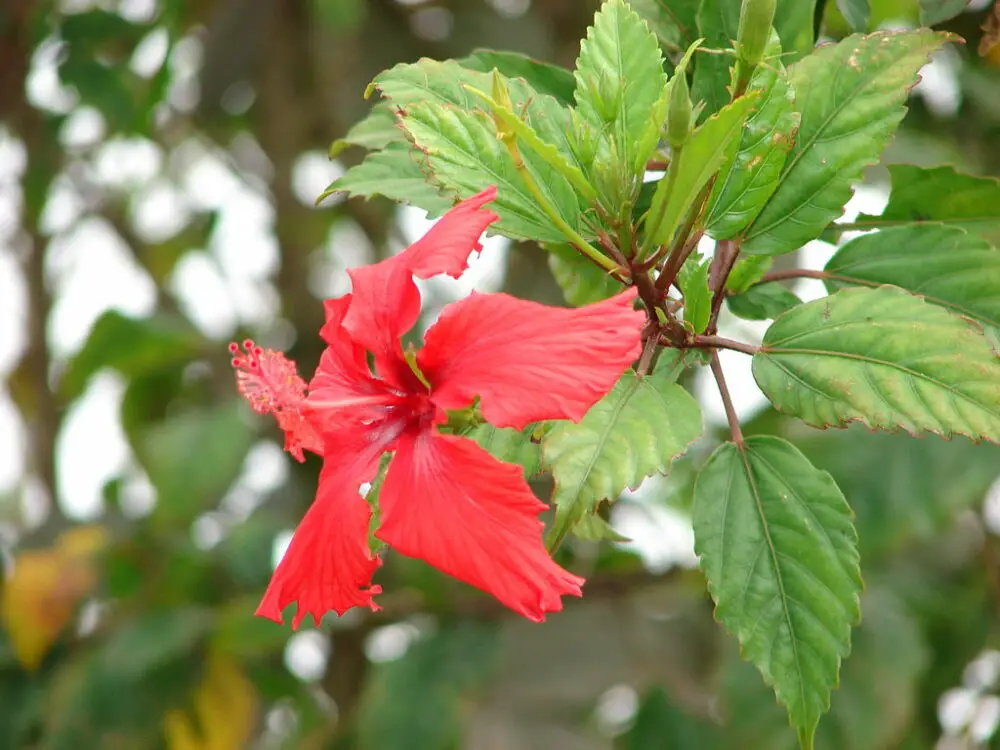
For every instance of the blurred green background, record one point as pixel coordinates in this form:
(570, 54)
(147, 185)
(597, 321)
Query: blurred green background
(159, 160)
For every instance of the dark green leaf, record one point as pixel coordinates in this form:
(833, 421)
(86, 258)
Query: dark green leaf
(581, 281)
(945, 265)
(417, 701)
(933, 12)
(673, 21)
(102, 87)
(883, 357)
(747, 272)
(942, 195)
(661, 725)
(851, 97)
(132, 346)
(763, 302)
(192, 458)
(718, 24)
(793, 21)
(544, 78)
(856, 12)
(775, 540)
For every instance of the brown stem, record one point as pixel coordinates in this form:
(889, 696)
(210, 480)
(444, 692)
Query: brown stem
(793, 273)
(726, 252)
(727, 400)
(718, 342)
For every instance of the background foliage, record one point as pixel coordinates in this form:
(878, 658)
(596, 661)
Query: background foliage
(129, 624)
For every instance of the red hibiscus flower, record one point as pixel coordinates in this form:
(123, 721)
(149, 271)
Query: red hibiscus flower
(444, 499)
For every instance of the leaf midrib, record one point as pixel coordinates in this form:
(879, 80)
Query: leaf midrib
(765, 351)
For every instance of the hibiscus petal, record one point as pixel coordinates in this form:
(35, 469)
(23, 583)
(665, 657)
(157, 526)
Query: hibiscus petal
(386, 302)
(329, 565)
(527, 361)
(447, 501)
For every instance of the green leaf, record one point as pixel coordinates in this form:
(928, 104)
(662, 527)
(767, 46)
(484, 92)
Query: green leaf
(747, 272)
(132, 346)
(793, 20)
(856, 13)
(544, 78)
(619, 78)
(933, 12)
(718, 23)
(634, 431)
(593, 528)
(662, 725)
(192, 458)
(875, 703)
(942, 195)
(674, 22)
(466, 156)
(444, 119)
(776, 543)
(885, 358)
(581, 281)
(102, 86)
(851, 97)
(377, 130)
(697, 295)
(698, 161)
(763, 302)
(421, 699)
(396, 173)
(752, 172)
(945, 265)
(510, 446)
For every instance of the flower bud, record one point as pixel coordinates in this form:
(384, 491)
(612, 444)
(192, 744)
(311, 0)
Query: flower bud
(756, 17)
(679, 111)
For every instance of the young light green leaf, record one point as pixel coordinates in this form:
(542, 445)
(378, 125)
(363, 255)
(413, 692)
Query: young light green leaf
(697, 295)
(465, 156)
(856, 13)
(698, 161)
(940, 194)
(945, 265)
(395, 172)
(763, 302)
(935, 11)
(521, 131)
(377, 130)
(543, 77)
(885, 358)
(634, 431)
(752, 171)
(778, 548)
(619, 77)
(581, 281)
(510, 446)
(851, 97)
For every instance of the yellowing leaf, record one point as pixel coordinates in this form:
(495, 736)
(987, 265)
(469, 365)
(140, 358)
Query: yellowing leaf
(225, 712)
(41, 595)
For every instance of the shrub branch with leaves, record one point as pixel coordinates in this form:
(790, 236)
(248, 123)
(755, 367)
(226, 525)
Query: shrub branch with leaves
(759, 141)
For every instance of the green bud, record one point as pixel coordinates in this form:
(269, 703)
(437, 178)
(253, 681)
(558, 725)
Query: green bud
(605, 94)
(680, 112)
(756, 17)
(501, 95)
